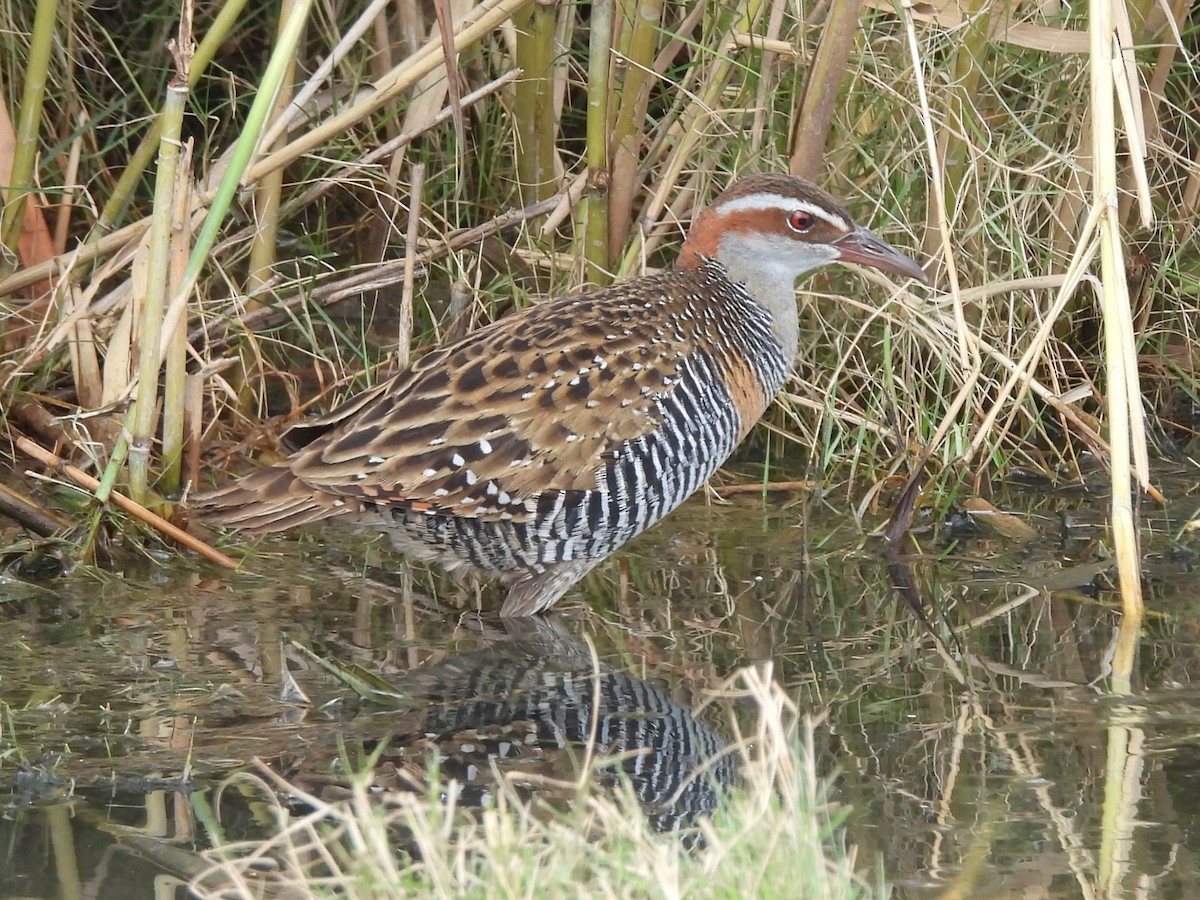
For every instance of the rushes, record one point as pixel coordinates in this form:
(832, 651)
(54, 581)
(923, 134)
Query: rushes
(654, 111)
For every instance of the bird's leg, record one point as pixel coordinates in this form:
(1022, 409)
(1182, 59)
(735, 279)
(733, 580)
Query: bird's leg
(529, 595)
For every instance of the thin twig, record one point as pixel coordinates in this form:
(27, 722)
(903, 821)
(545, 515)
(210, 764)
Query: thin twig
(28, 514)
(139, 512)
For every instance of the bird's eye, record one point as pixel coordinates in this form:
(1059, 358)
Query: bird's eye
(801, 220)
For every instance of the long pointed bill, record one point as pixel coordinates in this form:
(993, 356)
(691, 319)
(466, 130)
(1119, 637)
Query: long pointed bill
(865, 249)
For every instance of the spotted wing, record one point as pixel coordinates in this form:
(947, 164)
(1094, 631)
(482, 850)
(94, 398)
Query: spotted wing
(534, 402)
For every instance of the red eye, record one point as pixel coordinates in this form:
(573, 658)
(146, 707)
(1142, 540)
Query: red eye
(801, 220)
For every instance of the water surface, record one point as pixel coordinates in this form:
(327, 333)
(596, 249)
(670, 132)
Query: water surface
(976, 742)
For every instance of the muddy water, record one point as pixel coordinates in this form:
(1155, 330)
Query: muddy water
(976, 743)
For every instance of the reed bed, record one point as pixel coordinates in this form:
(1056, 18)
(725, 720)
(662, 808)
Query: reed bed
(325, 204)
(220, 218)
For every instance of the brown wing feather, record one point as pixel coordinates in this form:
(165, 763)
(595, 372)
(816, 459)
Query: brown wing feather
(270, 499)
(531, 403)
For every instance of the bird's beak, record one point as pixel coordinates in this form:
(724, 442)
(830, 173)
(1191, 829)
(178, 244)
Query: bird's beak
(862, 247)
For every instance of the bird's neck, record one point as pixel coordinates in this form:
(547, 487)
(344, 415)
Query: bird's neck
(770, 281)
(777, 295)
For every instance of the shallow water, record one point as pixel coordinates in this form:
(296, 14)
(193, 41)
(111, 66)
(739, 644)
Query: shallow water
(973, 748)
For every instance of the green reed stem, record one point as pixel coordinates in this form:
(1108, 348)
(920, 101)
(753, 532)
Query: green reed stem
(533, 101)
(150, 320)
(123, 191)
(966, 72)
(594, 209)
(21, 181)
(638, 43)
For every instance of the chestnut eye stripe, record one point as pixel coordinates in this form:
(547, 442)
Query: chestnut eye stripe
(785, 205)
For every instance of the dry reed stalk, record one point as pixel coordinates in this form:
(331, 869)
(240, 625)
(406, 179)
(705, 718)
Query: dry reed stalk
(635, 43)
(71, 188)
(81, 344)
(444, 11)
(70, 264)
(404, 337)
(428, 94)
(287, 119)
(175, 381)
(193, 427)
(1126, 430)
(29, 514)
(139, 512)
(822, 87)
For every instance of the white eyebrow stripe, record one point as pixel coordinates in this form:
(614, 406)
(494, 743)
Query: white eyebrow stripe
(783, 204)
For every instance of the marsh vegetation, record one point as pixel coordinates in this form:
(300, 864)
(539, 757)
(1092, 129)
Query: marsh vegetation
(208, 239)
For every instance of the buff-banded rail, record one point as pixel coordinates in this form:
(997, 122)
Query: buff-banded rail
(536, 446)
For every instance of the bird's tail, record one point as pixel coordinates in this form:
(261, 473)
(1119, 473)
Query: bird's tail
(271, 499)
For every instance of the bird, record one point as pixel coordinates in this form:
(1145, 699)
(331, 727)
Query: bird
(533, 448)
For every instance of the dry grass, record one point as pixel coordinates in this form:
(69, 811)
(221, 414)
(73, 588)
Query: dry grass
(968, 140)
(776, 837)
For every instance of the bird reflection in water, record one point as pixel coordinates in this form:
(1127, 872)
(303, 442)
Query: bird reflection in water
(530, 710)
